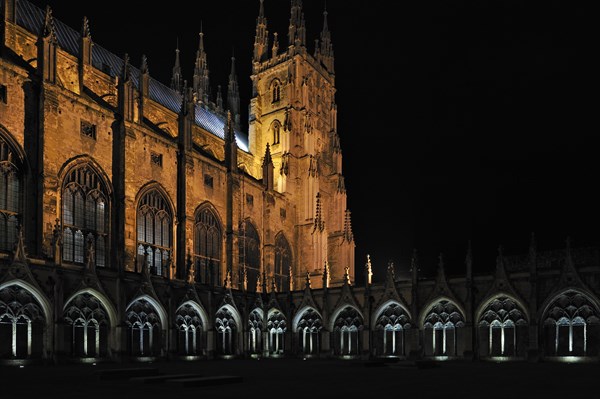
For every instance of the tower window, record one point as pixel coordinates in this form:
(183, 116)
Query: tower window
(249, 199)
(276, 91)
(156, 159)
(276, 132)
(88, 130)
(208, 181)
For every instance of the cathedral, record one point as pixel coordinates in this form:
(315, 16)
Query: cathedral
(138, 221)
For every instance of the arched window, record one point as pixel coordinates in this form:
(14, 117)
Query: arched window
(143, 329)
(249, 253)
(502, 329)
(309, 331)
(255, 326)
(154, 230)
(439, 329)
(190, 331)
(207, 247)
(276, 90)
(346, 332)
(11, 172)
(88, 326)
(22, 324)
(572, 326)
(276, 326)
(276, 127)
(85, 215)
(283, 262)
(226, 332)
(390, 331)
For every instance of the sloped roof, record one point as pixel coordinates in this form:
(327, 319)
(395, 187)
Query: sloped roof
(31, 18)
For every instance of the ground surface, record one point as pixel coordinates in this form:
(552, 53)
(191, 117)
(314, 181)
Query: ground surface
(297, 378)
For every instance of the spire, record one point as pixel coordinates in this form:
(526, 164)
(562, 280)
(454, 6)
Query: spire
(368, 271)
(85, 28)
(391, 272)
(48, 28)
(19, 254)
(325, 52)
(219, 99)
(233, 94)
(230, 145)
(191, 268)
(144, 83)
(126, 69)
(268, 169)
(347, 275)
(177, 78)
(275, 48)
(201, 82)
(144, 66)
(47, 43)
(85, 51)
(261, 39)
(126, 97)
(297, 27)
(326, 275)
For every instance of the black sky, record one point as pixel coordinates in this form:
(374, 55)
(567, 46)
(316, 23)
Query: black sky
(459, 120)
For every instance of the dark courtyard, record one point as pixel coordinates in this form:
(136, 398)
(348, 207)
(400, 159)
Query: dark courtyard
(310, 379)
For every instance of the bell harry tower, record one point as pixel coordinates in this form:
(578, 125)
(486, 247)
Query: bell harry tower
(293, 119)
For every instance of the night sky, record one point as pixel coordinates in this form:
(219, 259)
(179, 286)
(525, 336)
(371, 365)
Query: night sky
(459, 120)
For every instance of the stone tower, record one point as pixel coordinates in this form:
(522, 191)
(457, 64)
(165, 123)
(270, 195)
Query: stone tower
(293, 112)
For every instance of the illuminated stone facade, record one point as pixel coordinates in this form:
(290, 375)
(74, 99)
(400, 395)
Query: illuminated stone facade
(138, 221)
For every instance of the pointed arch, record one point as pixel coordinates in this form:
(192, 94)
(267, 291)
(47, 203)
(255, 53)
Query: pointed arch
(208, 245)
(275, 130)
(433, 302)
(85, 206)
(440, 320)
(26, 321)
(275, 89)
(307, 324)
(570, 324)
(283, 261)
(146, 322)
(390, 321)
(192, 324)
(90, 318)
(250, 253)
(381, 308)
(276, 327)
(347, 325)
(155, 216)
(301, 313)
(13, 170)
(110, 309)
(255, 331)
(227, 325)
(502, 326)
